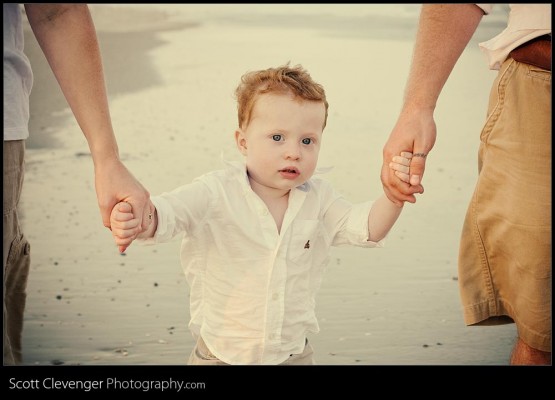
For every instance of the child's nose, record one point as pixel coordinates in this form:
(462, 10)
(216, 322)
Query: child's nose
(293, 151)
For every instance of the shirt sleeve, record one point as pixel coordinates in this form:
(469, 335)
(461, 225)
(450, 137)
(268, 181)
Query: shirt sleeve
(486, 8)
(179, 211)
(352, 229)
(346, 223)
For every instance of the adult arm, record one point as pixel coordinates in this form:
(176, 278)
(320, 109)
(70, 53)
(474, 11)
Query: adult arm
(444, 30)
(67, 37)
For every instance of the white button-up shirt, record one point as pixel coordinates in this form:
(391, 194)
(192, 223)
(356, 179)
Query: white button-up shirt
(526, 22)
(253, 289)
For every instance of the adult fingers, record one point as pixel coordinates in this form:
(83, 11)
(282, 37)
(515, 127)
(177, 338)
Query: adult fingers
(395, 189)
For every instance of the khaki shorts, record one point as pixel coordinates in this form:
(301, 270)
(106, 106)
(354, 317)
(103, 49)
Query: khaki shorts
(201, 355)
(505, 251)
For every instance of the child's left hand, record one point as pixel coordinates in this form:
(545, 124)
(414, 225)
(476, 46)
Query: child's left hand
(401, 165)
(124, 226)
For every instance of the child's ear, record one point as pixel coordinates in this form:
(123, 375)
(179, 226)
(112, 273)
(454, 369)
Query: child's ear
(241, 141)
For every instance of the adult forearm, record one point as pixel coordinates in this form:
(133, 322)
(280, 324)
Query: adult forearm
(444, 30)
(67, 36)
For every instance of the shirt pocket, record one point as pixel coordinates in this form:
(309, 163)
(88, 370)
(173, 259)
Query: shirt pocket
(303, 242)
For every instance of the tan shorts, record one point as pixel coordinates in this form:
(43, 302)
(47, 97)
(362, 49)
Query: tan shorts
(505, 251)
(201, 355)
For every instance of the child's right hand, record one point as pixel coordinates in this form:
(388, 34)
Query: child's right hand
(125, 227)
(401, 165)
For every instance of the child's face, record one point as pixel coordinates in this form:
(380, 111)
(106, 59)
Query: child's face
(282, 141)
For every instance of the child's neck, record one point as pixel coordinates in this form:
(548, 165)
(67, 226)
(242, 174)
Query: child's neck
(276, 201)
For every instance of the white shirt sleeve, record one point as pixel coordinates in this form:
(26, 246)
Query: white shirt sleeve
(181, 210)
(346, 223)
(526, 22)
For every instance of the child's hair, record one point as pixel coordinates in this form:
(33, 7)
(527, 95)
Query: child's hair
(283, 79)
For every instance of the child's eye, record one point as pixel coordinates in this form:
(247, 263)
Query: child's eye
(277, 138)
(306, 141)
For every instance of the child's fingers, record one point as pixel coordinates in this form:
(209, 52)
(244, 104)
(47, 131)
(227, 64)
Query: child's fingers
(406, 154)
(123, 247)
(125, 229)
(399, 167)
(130, 224)
(124, 226)
(123, 240)
(123, 243)
(121, 207)
(118, 216)
(124, 207)
(403, 176)
(401, 160)
(120, 213)
(120, 241)
(122, 231)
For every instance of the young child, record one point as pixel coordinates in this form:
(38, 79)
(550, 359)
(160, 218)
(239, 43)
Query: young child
(256, 235)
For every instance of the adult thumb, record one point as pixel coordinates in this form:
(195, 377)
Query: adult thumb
(417, 167)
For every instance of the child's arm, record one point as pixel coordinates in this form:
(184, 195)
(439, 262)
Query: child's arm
(126, 228)
(381, 218)
(384, 212)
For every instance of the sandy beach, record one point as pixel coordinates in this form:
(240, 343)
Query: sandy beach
(171, 71)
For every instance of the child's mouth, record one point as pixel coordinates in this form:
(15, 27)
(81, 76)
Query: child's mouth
(289, 172)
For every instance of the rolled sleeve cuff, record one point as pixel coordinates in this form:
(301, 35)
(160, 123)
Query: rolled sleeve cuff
(357, 226)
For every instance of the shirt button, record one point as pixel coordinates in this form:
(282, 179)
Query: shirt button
(264, 212)
(275, 296)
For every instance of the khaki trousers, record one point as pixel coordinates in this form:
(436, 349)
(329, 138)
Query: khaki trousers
(505, 250)
(16, 253)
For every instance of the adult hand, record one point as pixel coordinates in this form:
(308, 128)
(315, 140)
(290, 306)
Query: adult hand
(114, 183)
(415, 133)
